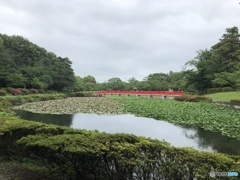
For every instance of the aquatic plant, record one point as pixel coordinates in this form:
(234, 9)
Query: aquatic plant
(209, 116)
(75, 105)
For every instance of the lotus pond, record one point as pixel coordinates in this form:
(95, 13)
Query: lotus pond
(113, 115)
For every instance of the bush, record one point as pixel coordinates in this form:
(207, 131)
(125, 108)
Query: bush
(80, 94)
(235, 101)
(16, 92)
(5, 104)
(192, 98)
(82, 154)
(9, 90)
(227, 89)
(18, 100)
(3, 92)
(220, 89)
(24, 91)
(41, 91)
(33, 91)
(86, 155)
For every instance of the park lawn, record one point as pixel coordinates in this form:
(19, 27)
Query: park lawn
(224, 96)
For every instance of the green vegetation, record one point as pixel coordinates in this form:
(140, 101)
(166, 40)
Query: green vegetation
(224, 96)
(24, 64)
(79, 154)
(217, 67)
(75, 105)
(34, 149)
(191, 98)
(208, 116)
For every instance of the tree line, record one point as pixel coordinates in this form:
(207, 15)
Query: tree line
(24, 64)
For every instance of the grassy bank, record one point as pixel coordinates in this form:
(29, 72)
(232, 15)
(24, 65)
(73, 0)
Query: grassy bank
(224, 96)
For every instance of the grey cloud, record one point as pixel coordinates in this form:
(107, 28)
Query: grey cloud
(121, 38)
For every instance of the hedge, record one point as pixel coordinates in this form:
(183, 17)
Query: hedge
(191, 98)
(82, 154)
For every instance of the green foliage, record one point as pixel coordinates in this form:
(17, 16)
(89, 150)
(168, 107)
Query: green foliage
(88, 154)
(3, 92)
(33, 91)
(208, 116)
(24, 91)
(81, 154)
(220, 89)
(217, 67)
(41, 91)
(192, 98)
(75, 105)
(81, 94)
(9, 90)
(26, 65)
(115, 84)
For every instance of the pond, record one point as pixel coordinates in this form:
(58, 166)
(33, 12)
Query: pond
(176, 135)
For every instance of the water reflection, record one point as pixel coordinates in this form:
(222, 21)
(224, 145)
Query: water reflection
(61, 120)
(216, 141)
(177, 135)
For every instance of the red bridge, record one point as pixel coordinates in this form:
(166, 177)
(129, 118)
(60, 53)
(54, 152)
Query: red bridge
(141, 93)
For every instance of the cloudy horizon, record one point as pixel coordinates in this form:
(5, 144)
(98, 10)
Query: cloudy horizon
(121, 38)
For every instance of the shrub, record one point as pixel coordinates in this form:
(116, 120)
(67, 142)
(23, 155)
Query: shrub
(85, 154)
(5, 104)
(33, 91)
(24, 91)
(16, 92)
(80, 94)
(9, 90)
(122, 156)
(2, 92)
(192, 98)
(220, 89)
(41, 91)
(235, 101)
(227, 89)
(18, 100)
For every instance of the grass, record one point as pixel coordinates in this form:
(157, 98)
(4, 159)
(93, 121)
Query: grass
(224, 96)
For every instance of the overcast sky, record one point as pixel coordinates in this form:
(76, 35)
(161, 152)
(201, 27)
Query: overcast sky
(121, 38)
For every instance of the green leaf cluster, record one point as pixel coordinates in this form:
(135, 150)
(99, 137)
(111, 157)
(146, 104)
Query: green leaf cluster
(24, 64)
(206, 115)
(217, 67)
(81, 154)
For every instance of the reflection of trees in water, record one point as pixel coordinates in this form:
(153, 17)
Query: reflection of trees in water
(61, 120)
(215, 140)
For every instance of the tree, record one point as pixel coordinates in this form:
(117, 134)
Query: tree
(226, 53)
(133, 83)
(89, 79)
(157, 81)
(218, 66)
(23, 63)
(115, 84)
(201, 76)
(176, 80)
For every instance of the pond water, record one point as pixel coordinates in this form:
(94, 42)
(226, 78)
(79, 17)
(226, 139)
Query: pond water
(176, 135)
